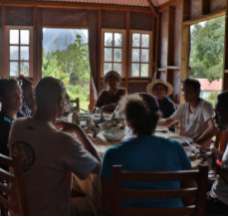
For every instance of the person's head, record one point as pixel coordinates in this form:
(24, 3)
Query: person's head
(222, 110)
(50, 98)
(160, 89)
(192, 90)
(112, 79)
(141, 114)
(27, 90)
(10, 96)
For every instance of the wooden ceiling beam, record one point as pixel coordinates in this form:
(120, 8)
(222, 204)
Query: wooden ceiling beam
(73, 5)
(153, 8)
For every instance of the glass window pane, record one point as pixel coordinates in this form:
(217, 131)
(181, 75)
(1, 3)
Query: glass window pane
(117, 67)
(135, 55)
(24, 53)
(24, 37)
(107, 67)
(14, 69)
(25, 69)
(136, 40)
(118, 39)
(135, 70)
(145, 70)
(145, 40)
(108, 54)
(117, 55)
(108, 39)
(14, 52)
(14, 36)
(145, 55)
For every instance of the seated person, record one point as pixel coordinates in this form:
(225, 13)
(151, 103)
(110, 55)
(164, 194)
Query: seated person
(145, 152)
(161, 91)
(194, 116)
(51, 154)
(28, 98)
(218, 199)
(109, 97)
(10, 98)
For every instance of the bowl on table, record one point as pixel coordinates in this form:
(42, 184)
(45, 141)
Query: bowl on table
(114, 134)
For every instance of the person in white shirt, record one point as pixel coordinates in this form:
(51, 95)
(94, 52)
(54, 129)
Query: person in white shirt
(195, 116)
(218, 196)
(49, 154)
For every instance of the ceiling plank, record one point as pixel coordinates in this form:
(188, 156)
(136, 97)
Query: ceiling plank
(73, 5)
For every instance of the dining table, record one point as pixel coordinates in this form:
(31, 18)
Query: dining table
(106, 132)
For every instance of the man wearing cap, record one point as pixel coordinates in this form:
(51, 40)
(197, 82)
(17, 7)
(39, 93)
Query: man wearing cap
(161, 90)
(194, 116)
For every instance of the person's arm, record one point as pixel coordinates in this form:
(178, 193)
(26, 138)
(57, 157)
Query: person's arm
(83, 138)
(207, 134)
(167, 122)
(210, 130)
(77, 159)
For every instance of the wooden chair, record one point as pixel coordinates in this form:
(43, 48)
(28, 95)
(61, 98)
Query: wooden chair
(12, 199)
(197, 194)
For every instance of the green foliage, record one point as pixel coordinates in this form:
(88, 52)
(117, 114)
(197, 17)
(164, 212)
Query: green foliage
(72, 67)
(207, 49)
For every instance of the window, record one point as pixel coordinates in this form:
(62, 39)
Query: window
(140, 54)
(19, 52)
(113, 51)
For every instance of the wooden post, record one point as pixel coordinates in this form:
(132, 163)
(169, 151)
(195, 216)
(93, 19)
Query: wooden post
(171, 45)
(128, 49)
(1, 42)
(37, 44)
(206, 7)
(225, 80)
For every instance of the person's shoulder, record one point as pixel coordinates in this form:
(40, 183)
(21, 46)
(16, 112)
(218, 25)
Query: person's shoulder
(169, 100)
(115, 149)
(65, 138)
(206, 104)
(167, 142)
(103, 92)
(122, 91)
(21, 122)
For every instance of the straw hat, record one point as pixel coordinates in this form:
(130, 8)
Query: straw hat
(151, 86)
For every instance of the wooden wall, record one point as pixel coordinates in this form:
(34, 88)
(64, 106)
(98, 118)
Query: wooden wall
(176, 17)
(73, 16)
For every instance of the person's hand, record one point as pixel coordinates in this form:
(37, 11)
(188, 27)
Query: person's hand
(66, 126)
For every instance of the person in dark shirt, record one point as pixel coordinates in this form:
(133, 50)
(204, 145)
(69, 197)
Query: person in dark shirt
(10, 98)
(27, 107)
(109, 97)
(161, 90)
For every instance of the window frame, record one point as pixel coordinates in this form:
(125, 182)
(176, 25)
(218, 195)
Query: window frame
(150, 48)
(124, 57)
(19, 45)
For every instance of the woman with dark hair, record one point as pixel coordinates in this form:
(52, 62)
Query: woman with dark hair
(111, 95)
(27, 108)
(145, 152)
(10, 98)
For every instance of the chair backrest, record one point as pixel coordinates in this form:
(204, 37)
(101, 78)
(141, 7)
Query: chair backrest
(12, 199)
(6, 178)
(76, 103)
(196, 194)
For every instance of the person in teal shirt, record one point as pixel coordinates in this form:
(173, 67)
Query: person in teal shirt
(10, 99)
(146, 152)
